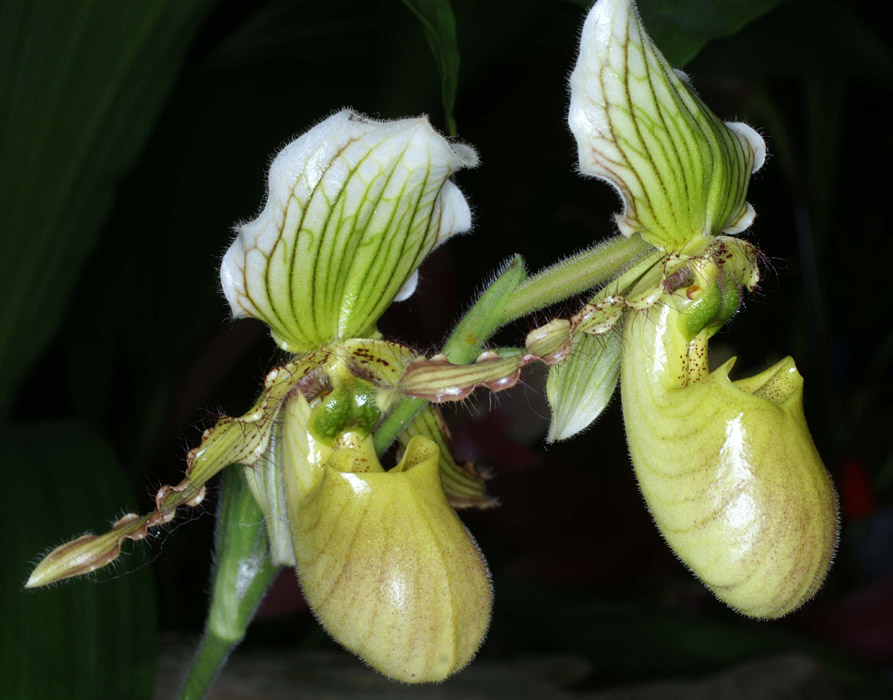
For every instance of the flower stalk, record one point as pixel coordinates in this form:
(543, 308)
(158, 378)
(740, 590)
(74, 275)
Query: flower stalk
(243, 573)
(574, 275)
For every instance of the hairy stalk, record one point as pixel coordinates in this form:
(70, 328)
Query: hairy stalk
(243, 574)
(512, 295)
(574, 275)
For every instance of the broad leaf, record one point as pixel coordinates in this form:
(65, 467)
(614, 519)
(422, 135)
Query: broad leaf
(682, 27)
(82, 84)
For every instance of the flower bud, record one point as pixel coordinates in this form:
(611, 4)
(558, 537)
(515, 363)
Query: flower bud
(384, 562)
(682, 173)
(353, 207)
(728, 469)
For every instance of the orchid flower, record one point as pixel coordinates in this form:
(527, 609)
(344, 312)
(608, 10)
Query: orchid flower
(728, 468)
(353, 207)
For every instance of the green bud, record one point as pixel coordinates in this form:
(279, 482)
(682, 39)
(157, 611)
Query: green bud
(682, 173)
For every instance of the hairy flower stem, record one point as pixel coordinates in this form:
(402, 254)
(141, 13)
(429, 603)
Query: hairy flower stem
(243, 574)
(574, 275)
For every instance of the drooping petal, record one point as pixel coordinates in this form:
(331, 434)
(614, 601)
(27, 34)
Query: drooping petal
(242, 440)
(353, 207)
(681, 172)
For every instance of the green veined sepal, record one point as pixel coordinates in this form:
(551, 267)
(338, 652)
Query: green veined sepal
(682, 173)
(353, 207)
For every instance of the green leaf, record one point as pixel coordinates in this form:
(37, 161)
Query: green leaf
(82, 85)
(824, 39)
(439, 24)
(85, 639)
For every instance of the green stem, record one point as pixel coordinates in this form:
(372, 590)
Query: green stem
(462, 347)
(209, 659)
(512, 295)
(395, 422)
(243, 574)
(574, 275)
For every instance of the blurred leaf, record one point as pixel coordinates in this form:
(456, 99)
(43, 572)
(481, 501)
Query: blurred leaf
(439, 23)
(818, 39)
(82, 84)
(681, 28)
(87, 638)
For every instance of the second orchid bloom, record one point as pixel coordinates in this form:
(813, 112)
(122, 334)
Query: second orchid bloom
(728, 468)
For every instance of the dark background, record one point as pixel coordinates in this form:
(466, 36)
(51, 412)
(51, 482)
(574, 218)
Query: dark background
(135, 137)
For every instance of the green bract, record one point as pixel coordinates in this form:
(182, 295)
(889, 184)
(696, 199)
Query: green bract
(681, 172)
(353, 207)
(580, 387)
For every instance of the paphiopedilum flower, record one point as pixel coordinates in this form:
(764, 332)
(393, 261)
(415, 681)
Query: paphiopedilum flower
(681, 172)
(728, 469)
(353, 207)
